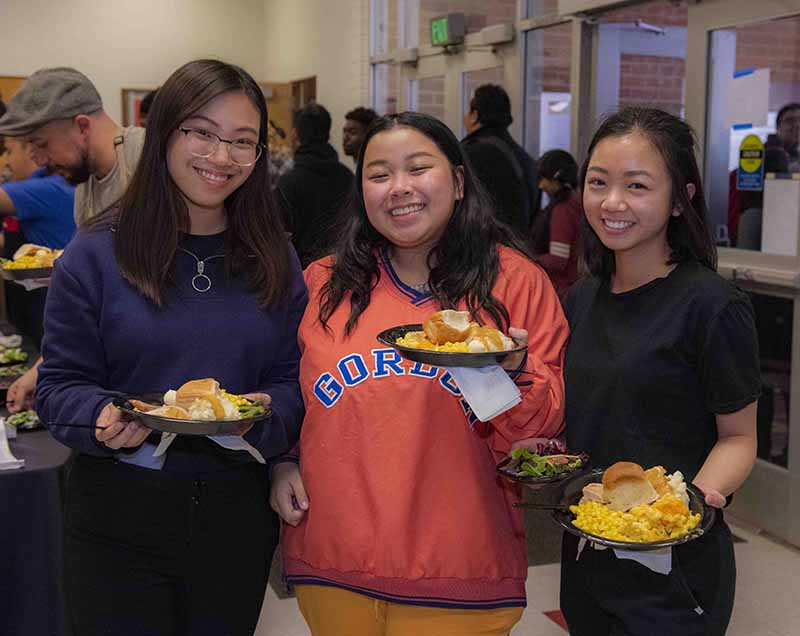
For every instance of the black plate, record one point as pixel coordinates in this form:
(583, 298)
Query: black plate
(440, 358)
(26, 274)
(573, 493)
(182, 427)
(502, 468)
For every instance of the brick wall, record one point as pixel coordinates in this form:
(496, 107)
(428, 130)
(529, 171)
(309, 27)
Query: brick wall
(774, 45)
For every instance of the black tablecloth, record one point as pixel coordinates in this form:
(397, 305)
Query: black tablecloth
(31, 538)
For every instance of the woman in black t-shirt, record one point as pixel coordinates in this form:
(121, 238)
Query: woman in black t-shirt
(661, 368)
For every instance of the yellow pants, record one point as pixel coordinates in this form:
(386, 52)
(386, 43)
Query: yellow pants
(332, 611)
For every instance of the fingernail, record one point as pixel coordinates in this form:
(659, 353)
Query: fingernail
(304, 505)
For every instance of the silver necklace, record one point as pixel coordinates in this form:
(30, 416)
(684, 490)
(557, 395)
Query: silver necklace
(200, 282)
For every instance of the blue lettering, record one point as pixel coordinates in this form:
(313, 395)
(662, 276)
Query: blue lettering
(449, 383)
(423, 370)
(468, 412)
(387, 361)
(328, 390)
(353, 369)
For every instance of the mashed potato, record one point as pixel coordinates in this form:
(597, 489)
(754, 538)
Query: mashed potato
(666, 518)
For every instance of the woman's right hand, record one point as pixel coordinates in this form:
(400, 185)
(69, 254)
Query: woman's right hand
(288, 495)
(116, 431)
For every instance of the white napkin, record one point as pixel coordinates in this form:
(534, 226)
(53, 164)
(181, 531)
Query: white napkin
(33, 283)
(659, 561)
(488, 390)
(231, 442)
(7, 459)
(14, 340)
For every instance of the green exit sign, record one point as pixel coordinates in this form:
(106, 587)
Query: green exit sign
(448, 29)
(439, 31)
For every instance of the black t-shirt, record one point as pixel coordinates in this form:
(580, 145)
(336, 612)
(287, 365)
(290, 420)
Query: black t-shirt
(646, 370)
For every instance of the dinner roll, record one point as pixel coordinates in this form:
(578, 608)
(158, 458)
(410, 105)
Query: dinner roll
(446, 326)
(625, 486)
(206, 389)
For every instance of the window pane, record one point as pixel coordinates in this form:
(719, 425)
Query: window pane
(548, 55)
(754, 73)
(385, 88)
(478, 14)
(642, 52)
(774, 319)
(427, 96)
(538, 8)
(385, 18)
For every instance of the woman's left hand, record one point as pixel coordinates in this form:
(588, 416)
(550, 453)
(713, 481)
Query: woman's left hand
(714, 498)
(265, 401)
(520, 337)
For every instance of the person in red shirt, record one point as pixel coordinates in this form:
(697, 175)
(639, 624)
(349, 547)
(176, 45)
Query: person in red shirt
(556, 231)
(397, 520)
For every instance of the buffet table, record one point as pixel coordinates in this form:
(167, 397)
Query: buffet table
(31, 539)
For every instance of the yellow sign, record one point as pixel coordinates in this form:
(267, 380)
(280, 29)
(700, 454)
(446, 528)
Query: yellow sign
(751, 154)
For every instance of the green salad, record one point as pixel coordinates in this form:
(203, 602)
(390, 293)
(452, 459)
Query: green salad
(527, 463)
(24, 420)
(15, 354)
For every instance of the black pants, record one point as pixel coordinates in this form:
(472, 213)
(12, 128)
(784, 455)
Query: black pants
(150, 553)
(603, 595)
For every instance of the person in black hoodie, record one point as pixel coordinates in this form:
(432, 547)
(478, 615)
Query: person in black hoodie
(315, 190)
(503, 166)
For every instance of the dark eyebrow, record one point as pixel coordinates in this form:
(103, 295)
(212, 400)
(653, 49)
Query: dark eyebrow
(629, 173)
(413, 155)
(211, 121)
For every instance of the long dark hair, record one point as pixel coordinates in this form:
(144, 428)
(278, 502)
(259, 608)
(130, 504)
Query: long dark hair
(463, 264)
(152, 213)
(558, 166)
(688, 235)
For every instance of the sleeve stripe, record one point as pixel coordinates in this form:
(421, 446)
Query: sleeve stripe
(560, 249)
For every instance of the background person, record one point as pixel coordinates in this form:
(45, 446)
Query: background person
(178, 544)
(372, 547)
(507, 172)
(59, 111)
(42, 203)
(356, 125)
(556, 230)
(314, 190)
(662, 368)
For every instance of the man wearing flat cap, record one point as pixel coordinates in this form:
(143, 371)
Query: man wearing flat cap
(59, 111)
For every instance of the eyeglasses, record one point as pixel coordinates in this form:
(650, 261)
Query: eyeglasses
(202, 143)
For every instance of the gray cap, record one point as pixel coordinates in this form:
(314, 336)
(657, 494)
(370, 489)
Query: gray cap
(49, 94)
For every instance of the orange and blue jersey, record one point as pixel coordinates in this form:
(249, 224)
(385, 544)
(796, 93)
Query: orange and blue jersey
(405, 503)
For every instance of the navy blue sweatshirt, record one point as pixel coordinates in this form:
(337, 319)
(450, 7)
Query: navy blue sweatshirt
(104, 338)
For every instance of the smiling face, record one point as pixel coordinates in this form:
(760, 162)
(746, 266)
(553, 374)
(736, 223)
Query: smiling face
(410, 188)
(627, 196)
(205, 183)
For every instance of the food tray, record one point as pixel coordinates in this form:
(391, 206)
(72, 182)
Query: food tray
(440, 358)
(573, 493)
(181, 427)
(532, 480)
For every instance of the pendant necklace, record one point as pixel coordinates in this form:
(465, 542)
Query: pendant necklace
(200, 281)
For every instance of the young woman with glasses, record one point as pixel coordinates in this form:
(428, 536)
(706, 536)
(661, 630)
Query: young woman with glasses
(190, 276)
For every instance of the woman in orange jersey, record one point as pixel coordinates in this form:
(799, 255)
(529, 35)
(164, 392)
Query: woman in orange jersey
(398, 523)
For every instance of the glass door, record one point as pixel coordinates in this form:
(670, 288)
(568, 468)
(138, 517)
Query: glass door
(745, 78)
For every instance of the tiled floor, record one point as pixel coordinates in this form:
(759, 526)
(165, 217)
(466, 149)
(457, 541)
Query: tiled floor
(766, 595)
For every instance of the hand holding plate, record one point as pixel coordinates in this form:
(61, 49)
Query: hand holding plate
(117, 430)
(513, 360)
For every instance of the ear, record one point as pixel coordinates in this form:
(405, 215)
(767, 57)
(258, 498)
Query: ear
(691, 189)
(458, 176)
(83, 122)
